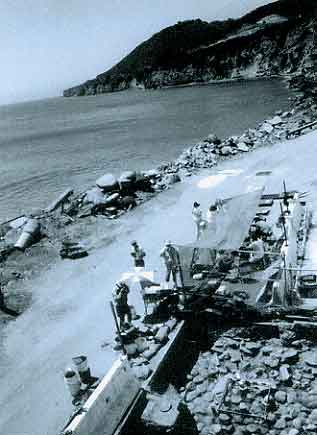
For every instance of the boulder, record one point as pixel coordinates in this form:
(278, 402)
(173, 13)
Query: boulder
(290, 356)
(226, 150)
(275, 121)
(107, 183)
(112, 199)
(298, 423)
(94, 196)
(266, 128)
(280, 424)
(152, 173)
(171, 179)
(242, 147)
(127, 180)
(127, 176)
(284, 374)
(212, 139)
(127, 202)
(313, 416)
(280, 396)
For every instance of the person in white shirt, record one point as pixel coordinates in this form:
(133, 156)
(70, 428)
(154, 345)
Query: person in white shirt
(257, 248)
(197, 217)
(211, 214)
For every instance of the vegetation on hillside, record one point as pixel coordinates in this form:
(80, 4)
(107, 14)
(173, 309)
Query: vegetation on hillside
(172, 47)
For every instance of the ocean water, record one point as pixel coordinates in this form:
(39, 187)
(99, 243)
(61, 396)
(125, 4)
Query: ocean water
(49, 145)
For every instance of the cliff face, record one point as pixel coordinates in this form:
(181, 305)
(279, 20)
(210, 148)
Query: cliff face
(278, 38)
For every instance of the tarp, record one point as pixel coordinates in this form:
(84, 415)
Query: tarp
(231, 224)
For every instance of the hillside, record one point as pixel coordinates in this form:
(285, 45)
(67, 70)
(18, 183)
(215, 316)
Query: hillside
(278, 38)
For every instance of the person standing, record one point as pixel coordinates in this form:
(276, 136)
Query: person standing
(197, 217)
(123, 309)
(138, 254)
(171, 259)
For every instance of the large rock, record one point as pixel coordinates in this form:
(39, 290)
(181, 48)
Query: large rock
(267, 128)
(212, 139)
(168, 180)
(107, 183)
(275, 121)
(226, 150)
(152, 173)
(242, 147)
(127, 179)
(280, 396)
(94, 196)
(128, 202)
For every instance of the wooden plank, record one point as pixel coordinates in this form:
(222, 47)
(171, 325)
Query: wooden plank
(60, 200)
(12, 220)
(108, 404)
(299, 129)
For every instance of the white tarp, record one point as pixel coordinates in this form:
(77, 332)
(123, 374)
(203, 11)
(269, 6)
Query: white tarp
(231, 224)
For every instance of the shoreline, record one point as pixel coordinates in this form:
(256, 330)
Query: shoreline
(243, 78)
(71, 316)
(118, 196)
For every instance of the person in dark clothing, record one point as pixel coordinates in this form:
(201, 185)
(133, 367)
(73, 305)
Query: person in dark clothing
(3, 306)
(224, 262)
(138, 254)
(171, 259)
(1, 298)
(121, 302)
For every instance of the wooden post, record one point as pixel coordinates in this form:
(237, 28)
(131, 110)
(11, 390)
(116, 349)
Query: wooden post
(117, 326)
(285, 197)
(283, 222)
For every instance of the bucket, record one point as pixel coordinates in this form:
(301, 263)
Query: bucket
(81, 364)
(72, 381)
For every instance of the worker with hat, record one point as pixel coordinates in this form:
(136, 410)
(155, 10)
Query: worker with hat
(138, 254)
(120, 296)
(171, 259)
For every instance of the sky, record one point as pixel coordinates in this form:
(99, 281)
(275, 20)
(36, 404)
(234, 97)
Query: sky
(49, 45)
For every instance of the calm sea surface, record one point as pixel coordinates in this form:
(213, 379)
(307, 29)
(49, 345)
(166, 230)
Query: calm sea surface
(49, 145)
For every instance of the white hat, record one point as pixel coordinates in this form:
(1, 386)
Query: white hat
(168, 243)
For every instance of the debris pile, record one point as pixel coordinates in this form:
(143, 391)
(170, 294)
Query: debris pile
(141, 344)
(207, 153)
(72, 250)
(254, 386)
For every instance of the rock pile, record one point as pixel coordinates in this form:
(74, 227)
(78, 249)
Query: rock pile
(243, 386)
(143, 343)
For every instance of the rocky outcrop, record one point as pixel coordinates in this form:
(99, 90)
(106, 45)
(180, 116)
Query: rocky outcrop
(278, 38)
(248, 384)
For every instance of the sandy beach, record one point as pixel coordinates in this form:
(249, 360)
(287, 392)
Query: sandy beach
(71, 302)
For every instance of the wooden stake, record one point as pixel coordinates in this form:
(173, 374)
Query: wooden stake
(283, 222)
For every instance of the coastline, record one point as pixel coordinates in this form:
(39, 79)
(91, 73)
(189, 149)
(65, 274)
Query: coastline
(70, 308)
(134, 189)
(243, 78)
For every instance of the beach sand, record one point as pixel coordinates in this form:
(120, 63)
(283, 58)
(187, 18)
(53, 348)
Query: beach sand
(70, 314)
